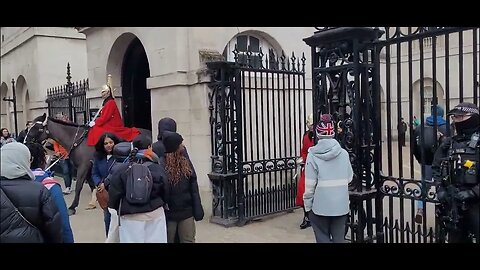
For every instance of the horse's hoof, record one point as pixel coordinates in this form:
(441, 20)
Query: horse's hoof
(71, 212)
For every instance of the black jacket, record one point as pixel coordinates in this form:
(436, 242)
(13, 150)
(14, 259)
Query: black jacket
(117, 187)
(165, 124)
(21, 136)
(35, 203)
(428, 144)
(455, 142)
(185, 199)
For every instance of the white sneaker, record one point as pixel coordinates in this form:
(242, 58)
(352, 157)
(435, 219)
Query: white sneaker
(67, 191)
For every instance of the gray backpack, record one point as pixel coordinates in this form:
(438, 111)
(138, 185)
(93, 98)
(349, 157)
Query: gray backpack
(139, 183)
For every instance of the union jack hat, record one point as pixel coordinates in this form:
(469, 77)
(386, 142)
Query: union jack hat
(326, 127)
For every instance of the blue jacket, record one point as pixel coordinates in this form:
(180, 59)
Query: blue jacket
(57, 196)
(101, 168)
(440, 121)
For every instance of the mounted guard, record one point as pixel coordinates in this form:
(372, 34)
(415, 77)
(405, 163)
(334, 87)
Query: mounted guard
(109, 118)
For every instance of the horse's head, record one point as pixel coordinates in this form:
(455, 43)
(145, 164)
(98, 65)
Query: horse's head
(39, 131)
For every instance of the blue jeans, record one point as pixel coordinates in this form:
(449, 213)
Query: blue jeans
(106, 218)
(67, 171)
(427, 171)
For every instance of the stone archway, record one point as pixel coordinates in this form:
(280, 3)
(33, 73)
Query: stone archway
(428, 96)
(128, 63)
(21, 89)
(27, 110)
(5, 113)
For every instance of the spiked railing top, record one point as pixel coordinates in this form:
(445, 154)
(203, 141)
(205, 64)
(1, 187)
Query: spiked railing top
(261, 60)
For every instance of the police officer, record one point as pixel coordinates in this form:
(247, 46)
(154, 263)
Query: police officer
(458, 159)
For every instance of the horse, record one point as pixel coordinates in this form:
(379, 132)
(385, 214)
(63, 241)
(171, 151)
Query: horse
(72, 137)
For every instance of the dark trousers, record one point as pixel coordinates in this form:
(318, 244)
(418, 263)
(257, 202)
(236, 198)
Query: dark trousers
(328, 229)
(106, 218)
(468, 225)
(67, 171)
(184, 228)
(401, 139)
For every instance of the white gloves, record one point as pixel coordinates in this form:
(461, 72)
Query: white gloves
(91, 124)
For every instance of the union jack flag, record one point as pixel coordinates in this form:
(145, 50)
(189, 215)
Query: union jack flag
(325, 129)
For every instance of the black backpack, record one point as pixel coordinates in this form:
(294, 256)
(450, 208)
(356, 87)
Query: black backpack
(139, 183)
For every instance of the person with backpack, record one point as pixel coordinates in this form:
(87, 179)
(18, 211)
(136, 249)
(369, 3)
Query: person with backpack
(28, 213)
(38, 165)
(121, 152)
(425, 150)
(185, 205)
(139, 191)
(102, 163)
(327, 173)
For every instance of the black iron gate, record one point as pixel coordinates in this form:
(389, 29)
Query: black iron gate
(370, 79)
(257, 116)
(69, 99)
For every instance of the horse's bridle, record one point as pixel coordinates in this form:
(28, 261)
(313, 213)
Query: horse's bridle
(76, 141)
(43, 124)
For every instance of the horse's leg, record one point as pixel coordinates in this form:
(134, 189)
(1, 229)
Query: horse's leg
(90, 180)
(93, 201)
(82, 173)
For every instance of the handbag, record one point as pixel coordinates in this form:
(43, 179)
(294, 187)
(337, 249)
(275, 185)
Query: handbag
(102, 198)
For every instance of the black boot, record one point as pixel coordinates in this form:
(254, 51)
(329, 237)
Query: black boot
(306, 222)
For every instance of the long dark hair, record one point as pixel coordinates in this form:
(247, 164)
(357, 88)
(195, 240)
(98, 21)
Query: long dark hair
(38, 154)
(8, 136)
(100, 149)
(177, 166)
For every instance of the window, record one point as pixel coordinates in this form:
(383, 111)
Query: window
(429, 41)
(252, 44)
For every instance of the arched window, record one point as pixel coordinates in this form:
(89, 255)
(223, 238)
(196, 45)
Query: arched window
(248, 42)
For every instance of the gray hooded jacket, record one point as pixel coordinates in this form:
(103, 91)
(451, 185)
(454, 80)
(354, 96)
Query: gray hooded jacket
(327, 173)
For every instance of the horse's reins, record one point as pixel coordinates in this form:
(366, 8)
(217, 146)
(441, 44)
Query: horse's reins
(28, 131)
(74, 144)
(75, 141)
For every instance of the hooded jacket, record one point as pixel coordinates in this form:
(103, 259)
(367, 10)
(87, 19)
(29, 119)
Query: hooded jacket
(36, 204)
(327, 173)
(165, 124)
(428, 143)
(117, 188)
(23, 197)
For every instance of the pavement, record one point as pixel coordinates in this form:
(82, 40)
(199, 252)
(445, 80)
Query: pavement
(88, 227)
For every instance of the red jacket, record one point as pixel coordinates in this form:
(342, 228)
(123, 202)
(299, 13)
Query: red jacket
(307, 143)
(110, 121)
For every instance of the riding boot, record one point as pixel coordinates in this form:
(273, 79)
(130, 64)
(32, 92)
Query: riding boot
(93, 202)
(306, 221)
